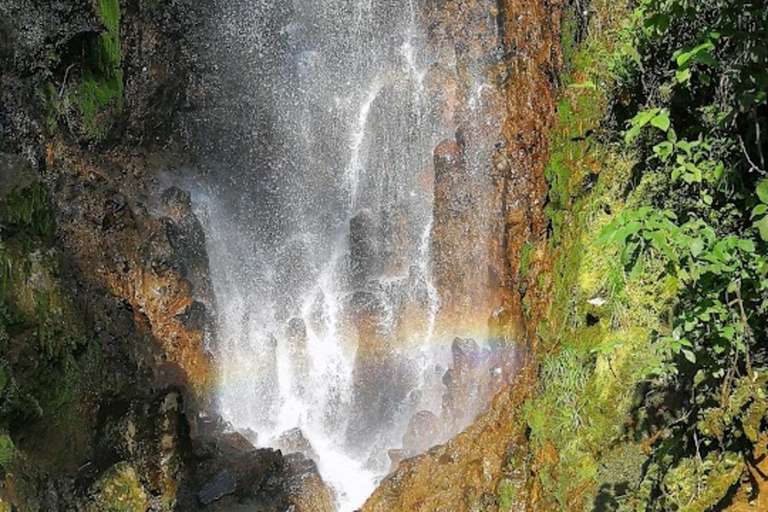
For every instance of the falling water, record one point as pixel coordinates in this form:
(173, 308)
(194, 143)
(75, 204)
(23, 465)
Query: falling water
(315, 188)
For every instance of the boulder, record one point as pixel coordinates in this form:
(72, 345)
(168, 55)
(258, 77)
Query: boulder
(222, 485)
(294, 441)
(423, 432)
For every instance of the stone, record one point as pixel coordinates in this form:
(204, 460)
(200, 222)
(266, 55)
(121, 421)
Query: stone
(294, 441)
(223, 485)
(362, 248)
(300, 363)
(423, 432)
(395, 457)
(458, 243)
(15, 173)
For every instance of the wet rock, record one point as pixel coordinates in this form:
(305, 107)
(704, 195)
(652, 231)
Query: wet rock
(187, 239)
(423, 431)
(300, 363)
(305, 489)
(467, 384)
(466, 352)
(15, 173)
(458, 241)
(382, 380)
(362, 248)
(395, 456)
(223, 485)
(119, 488)
(293, 441)
(251, 435)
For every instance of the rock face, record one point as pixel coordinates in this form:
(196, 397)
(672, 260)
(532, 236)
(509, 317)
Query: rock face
(301, 365)
(460, 475)
(293, 441)
(465, 473)
(453, 245)
(222, 485)
(422, 431)
(224, 475)
(362, 249)
(105, 298)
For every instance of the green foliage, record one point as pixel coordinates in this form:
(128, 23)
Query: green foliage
(7, 450)
(97, 95)
(27, 211)
(100, 92)
(656, 342)
(120, 490)
(703, 86)
(507, 495)
(525, 258)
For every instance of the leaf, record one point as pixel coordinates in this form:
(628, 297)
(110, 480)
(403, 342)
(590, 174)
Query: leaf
(638, 122)
(663, 150)
(697, 247)
(689, 355)
(747, 246)
(661, 120)
(683, 76)
(762, 226)
(701, 53)
(760, 209)
(762, 190)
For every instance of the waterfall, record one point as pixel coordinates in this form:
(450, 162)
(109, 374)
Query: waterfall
(316, 190)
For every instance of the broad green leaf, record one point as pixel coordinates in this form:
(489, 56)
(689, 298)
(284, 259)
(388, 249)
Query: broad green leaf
(747, 246)
(758, 210)
(697, 247)
(639, 122)
(661, 120)
(698, 52)
(683, 75)
(762, 190)
(762, 226)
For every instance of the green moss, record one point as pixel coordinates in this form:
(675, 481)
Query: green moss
(119, 490)
(27, 212)
(598, 330)
(98, 94)
(525, 258)
(507, 496)
(109, 13)
(7, 450)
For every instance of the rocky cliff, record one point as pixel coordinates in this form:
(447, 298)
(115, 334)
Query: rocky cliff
(465, 473)
(105, 300)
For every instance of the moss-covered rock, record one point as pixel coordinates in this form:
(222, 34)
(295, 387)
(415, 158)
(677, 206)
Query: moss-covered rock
(119, 490)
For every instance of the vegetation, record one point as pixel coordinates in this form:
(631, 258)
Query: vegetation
(654, 374)
(97, 95)
(40, 375)
(120, 491)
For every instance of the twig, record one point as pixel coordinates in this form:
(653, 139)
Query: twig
(64, 82)
(752, 165)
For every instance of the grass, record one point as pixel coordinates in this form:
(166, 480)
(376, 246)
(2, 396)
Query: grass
(596, 343)
(98, 94)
